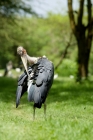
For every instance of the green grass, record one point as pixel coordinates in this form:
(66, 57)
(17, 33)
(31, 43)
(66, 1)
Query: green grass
(69, 113)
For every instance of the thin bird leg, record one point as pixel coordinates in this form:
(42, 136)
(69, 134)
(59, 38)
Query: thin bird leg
(45, 109)
(34, 112)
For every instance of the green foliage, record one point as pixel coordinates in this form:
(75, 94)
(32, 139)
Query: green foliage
(39, 36)
(9, 8)
(10, 31)
(67, 68)
(91, 62)
(69, 113)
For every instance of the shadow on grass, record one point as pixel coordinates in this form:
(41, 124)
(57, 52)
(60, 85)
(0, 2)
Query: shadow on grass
(71, 92)
(62, 91)
(7, 89)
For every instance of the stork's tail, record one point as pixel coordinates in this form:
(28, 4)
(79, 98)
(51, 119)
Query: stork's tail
(34, 95)
(37, 100)
(18, 95)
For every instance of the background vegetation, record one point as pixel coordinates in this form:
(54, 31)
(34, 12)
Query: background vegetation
(40, 36)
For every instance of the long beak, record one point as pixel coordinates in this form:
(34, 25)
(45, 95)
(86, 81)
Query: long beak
(24, 60)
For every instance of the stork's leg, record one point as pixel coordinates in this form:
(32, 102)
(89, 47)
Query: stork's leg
(34, 112)
(45, 109)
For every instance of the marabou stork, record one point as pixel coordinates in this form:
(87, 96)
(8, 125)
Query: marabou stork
(36, 79)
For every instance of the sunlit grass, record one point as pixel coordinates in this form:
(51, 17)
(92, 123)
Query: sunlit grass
(69, 113)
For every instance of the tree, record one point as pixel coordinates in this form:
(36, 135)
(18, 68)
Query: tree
(48, 35)
(83, 34)
(10, 27)
(10, 8)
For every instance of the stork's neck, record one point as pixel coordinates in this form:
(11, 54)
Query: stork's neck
(32, 60)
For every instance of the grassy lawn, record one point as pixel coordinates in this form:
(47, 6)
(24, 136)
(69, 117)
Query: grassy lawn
(69, 113)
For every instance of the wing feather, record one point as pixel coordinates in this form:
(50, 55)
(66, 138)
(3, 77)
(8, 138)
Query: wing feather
(18, 95)
(43, 80)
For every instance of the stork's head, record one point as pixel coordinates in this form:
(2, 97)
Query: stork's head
(21, 51)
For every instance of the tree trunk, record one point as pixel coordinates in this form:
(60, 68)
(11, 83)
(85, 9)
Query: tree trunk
(84, 48)
(82, 60)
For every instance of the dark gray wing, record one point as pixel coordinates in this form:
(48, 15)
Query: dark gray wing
(22, 86)
(43, 78)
